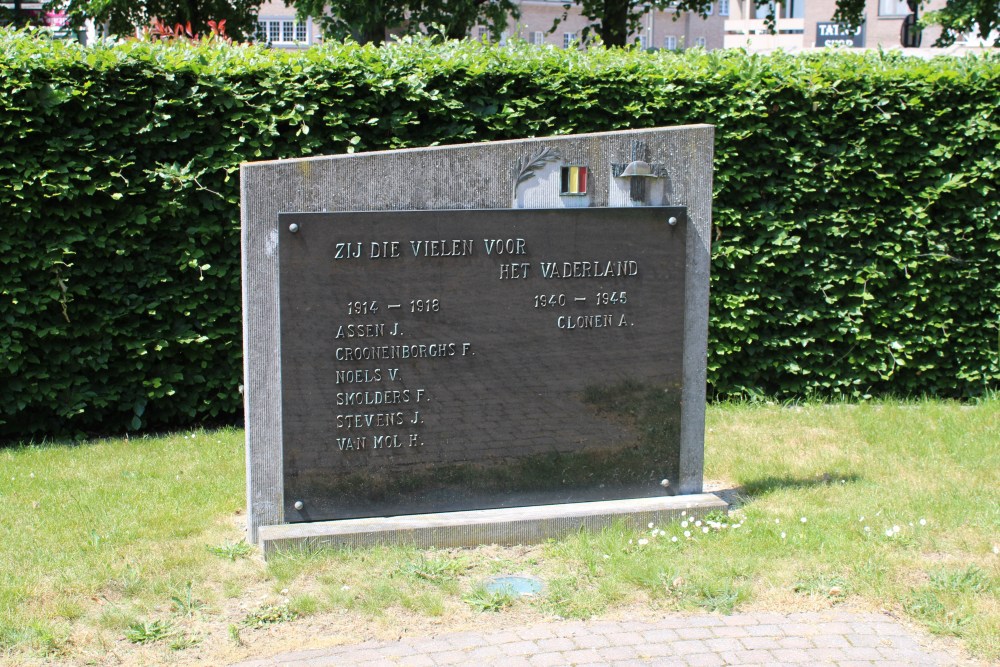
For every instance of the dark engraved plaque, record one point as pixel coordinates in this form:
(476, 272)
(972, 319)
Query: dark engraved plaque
(447, 360)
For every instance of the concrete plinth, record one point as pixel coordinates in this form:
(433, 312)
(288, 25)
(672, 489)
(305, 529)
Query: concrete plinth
(508, 526)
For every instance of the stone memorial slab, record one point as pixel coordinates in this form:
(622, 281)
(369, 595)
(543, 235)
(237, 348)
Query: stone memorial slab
(455, 360)
(497, 341)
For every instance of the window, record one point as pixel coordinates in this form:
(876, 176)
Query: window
(482, 34)
(282, 32)
(643, 42)
(537, 37)
(893, 8)
(723, 7)
(790, 9)
(568, 39)
(670, 42)
(793, 9)
(699, 41)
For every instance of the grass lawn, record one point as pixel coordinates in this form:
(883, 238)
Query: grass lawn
(131, 548)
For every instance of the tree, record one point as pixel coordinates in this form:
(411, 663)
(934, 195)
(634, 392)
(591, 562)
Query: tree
(122, 17)
(370, 22)
(612, 21)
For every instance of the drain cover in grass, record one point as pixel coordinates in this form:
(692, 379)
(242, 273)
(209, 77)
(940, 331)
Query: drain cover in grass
(519, 585)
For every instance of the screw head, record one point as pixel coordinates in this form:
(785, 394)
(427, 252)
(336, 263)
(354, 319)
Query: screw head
(294, 227)
(299, 505)
(672, 221)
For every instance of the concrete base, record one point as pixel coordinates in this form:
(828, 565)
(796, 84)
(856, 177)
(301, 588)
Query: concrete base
(515, 525)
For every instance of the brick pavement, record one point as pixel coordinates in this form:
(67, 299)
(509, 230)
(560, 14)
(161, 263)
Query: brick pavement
(844, 639)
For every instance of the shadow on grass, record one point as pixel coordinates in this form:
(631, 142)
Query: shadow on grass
(737, 496)
(766, 485)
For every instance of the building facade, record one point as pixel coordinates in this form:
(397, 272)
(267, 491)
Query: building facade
(661, 29)
(800, 24)
(803, 24)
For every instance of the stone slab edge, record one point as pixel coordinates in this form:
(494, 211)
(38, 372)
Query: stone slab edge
(507, 526)
(465, 176)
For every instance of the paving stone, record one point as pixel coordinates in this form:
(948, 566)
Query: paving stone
(752, 643)
(747, 657)
(625, 639)
(690, 646)
(536, 632)
(834, 628)
(730, 631)
(830, 641)
(520, 648)
(596, 641)
(705, 660)
(616, 653)
(431, 645)
(582, 655)
(792, 655)
(465, 640)
(765, 630)
(555, 644)
(502, 637)
(826, 655)
(445, 657)
(547, 660)
(694, 633)
(720, 644)
(740, 619)
(861, 653)
(664, 662)
(664, 635)
(795, 642)
(803, 629)
(661, 650)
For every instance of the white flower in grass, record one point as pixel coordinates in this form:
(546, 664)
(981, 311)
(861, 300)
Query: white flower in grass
(684, 513)
(606, 557)
(650, 524)
(782, 534)
(895, 529)
(868, 529)
(643, 542)
(698, 524)
(861, 519)
(803, 519)
(684, 524)
(673, 539)
(705, 529)
(777, 520)
(889, 533)
(996, 548)
(923, 522)
(687, 534)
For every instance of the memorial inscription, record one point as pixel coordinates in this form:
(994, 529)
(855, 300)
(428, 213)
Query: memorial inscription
(446, 360)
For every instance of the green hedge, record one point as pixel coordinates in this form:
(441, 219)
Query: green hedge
(857, 248)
